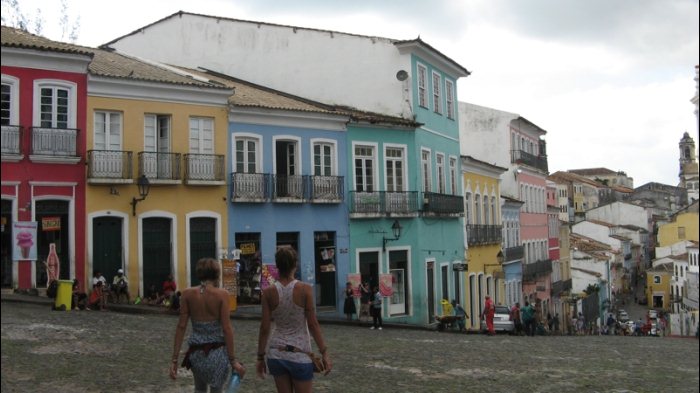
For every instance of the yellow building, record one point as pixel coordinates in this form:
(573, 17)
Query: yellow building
(659, 284)
(483, 233)
(684, 226)
(148, 125)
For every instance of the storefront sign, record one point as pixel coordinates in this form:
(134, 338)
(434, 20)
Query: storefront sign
(247, 248)
(50, 224)
(459, 267)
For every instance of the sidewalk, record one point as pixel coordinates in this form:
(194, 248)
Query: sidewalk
(248, 312)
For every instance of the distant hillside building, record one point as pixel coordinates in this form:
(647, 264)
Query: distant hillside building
(688, 168)
(606, 176)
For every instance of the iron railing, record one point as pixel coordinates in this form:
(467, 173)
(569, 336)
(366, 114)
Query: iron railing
(326, 189)
(288, 187)
(159, 166)
(442, 204)
(11, 139)
(204, 168)
(55, 142)
(109, 164)
(514, 253)
(523, 157)
(559, 287)
(484, 234)
(384, 202)
(535, 269)
(250, 187)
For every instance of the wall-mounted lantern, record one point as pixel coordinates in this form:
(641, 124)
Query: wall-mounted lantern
(396, 230)
(144, 186)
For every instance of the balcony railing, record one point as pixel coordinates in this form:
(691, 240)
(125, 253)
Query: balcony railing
(106, 166)
(523, 157)
(559, 287)
(159, 166)
(288, 188)
(384, 203)
(326, 189)
(250, 187)
(11, 137)
(514, 253)
(533, 270)
(204, 169)
(54, 142)
(483, 234)
(442, 204)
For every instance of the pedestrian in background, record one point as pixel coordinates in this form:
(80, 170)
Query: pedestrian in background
(349, 305)
(211, 349)
(290, 304)
(365, 300)
(376, 309)
(528, 315)
(515, 317)
(488, 314)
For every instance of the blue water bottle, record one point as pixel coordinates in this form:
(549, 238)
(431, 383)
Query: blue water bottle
(234, 383)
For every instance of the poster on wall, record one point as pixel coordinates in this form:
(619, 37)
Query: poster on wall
(385, 287)
(270, 275)
(355, 279)
(24, 240)
(229, 281)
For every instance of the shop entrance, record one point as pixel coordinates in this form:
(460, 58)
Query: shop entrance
(52, 217)
(324, 250)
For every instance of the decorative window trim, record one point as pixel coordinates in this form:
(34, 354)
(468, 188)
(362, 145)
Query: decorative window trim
(13, 82)
(436, 78)
(422, 85)
(258, 150)
(334, 153)
(72, 99)
(450, 99)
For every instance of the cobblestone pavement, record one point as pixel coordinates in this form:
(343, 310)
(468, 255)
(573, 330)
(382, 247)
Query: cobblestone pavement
(92, 351)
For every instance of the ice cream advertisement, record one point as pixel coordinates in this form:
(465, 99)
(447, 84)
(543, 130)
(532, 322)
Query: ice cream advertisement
(24, 240)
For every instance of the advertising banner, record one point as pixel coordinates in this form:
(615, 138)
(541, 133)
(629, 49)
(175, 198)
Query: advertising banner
(24, 240)
(385, 287)
(355, 279)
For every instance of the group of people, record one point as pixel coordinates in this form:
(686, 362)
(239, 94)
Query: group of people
(284, 352)
(370, 303)
(525, 320)
(168, 296)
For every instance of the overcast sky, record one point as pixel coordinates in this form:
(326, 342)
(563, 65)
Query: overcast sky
(609, 80)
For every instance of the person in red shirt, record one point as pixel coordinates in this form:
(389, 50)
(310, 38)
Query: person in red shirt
(488, 314)
(169, 288)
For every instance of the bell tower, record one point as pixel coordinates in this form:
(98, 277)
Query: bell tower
(688, 168)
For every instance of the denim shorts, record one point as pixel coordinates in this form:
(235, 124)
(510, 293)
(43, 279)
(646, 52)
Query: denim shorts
(297, 371)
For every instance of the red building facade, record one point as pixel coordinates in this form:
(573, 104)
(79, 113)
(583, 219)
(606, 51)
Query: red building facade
(44, 97)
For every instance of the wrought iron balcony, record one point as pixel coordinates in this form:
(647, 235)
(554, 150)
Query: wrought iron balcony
(160, 166)
(250, 187)
(559, 287)
(536, 269)
(11, 140)
(204, 169)
(514, 253)
(484, 234)
(288, 188)
(523, 157)
(109, 166)
(380, 203)
(326, 189)
(54, 142)
(435, 204)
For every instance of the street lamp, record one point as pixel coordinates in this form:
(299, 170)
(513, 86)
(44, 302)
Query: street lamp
(396, 229)
(144, 186)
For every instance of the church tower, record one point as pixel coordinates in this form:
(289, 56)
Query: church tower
(688, 174)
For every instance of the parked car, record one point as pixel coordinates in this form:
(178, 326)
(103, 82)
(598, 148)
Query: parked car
(501, 321)
(622, 316)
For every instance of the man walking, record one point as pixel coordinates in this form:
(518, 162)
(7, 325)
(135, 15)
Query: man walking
(528, 316)
(488, 314)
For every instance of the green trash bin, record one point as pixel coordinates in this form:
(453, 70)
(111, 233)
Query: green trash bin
(64, 295)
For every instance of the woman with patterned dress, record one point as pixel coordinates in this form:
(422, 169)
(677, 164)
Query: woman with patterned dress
(349, 306)
(211, 349)
(287, 342)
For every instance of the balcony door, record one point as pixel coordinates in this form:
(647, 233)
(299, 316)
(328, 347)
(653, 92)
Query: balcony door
(288, 181)
(158, 163)
(396, 197)
(107, 161)
(202, 163)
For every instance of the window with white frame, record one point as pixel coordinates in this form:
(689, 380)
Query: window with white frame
(440, 168)
(437, 93)
(324, 159)
(494, 215)
(453, 176)
(108, 130)
(54, 107)
(477, 209)
(422, 88)
(364, 168)
(487, 216)
(246, 154)
(450, 99)
(201, 135)
(9, 104)
(468, 208)
(425, 164)
(394, 162)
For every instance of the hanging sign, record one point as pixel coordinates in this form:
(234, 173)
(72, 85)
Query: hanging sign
(50, 224)
(247, 248)
(355, 279)
(385, 285)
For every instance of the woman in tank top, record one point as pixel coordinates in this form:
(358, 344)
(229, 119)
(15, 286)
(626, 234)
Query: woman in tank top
(286, 342)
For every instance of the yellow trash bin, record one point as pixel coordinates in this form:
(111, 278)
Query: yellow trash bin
(64, 295)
